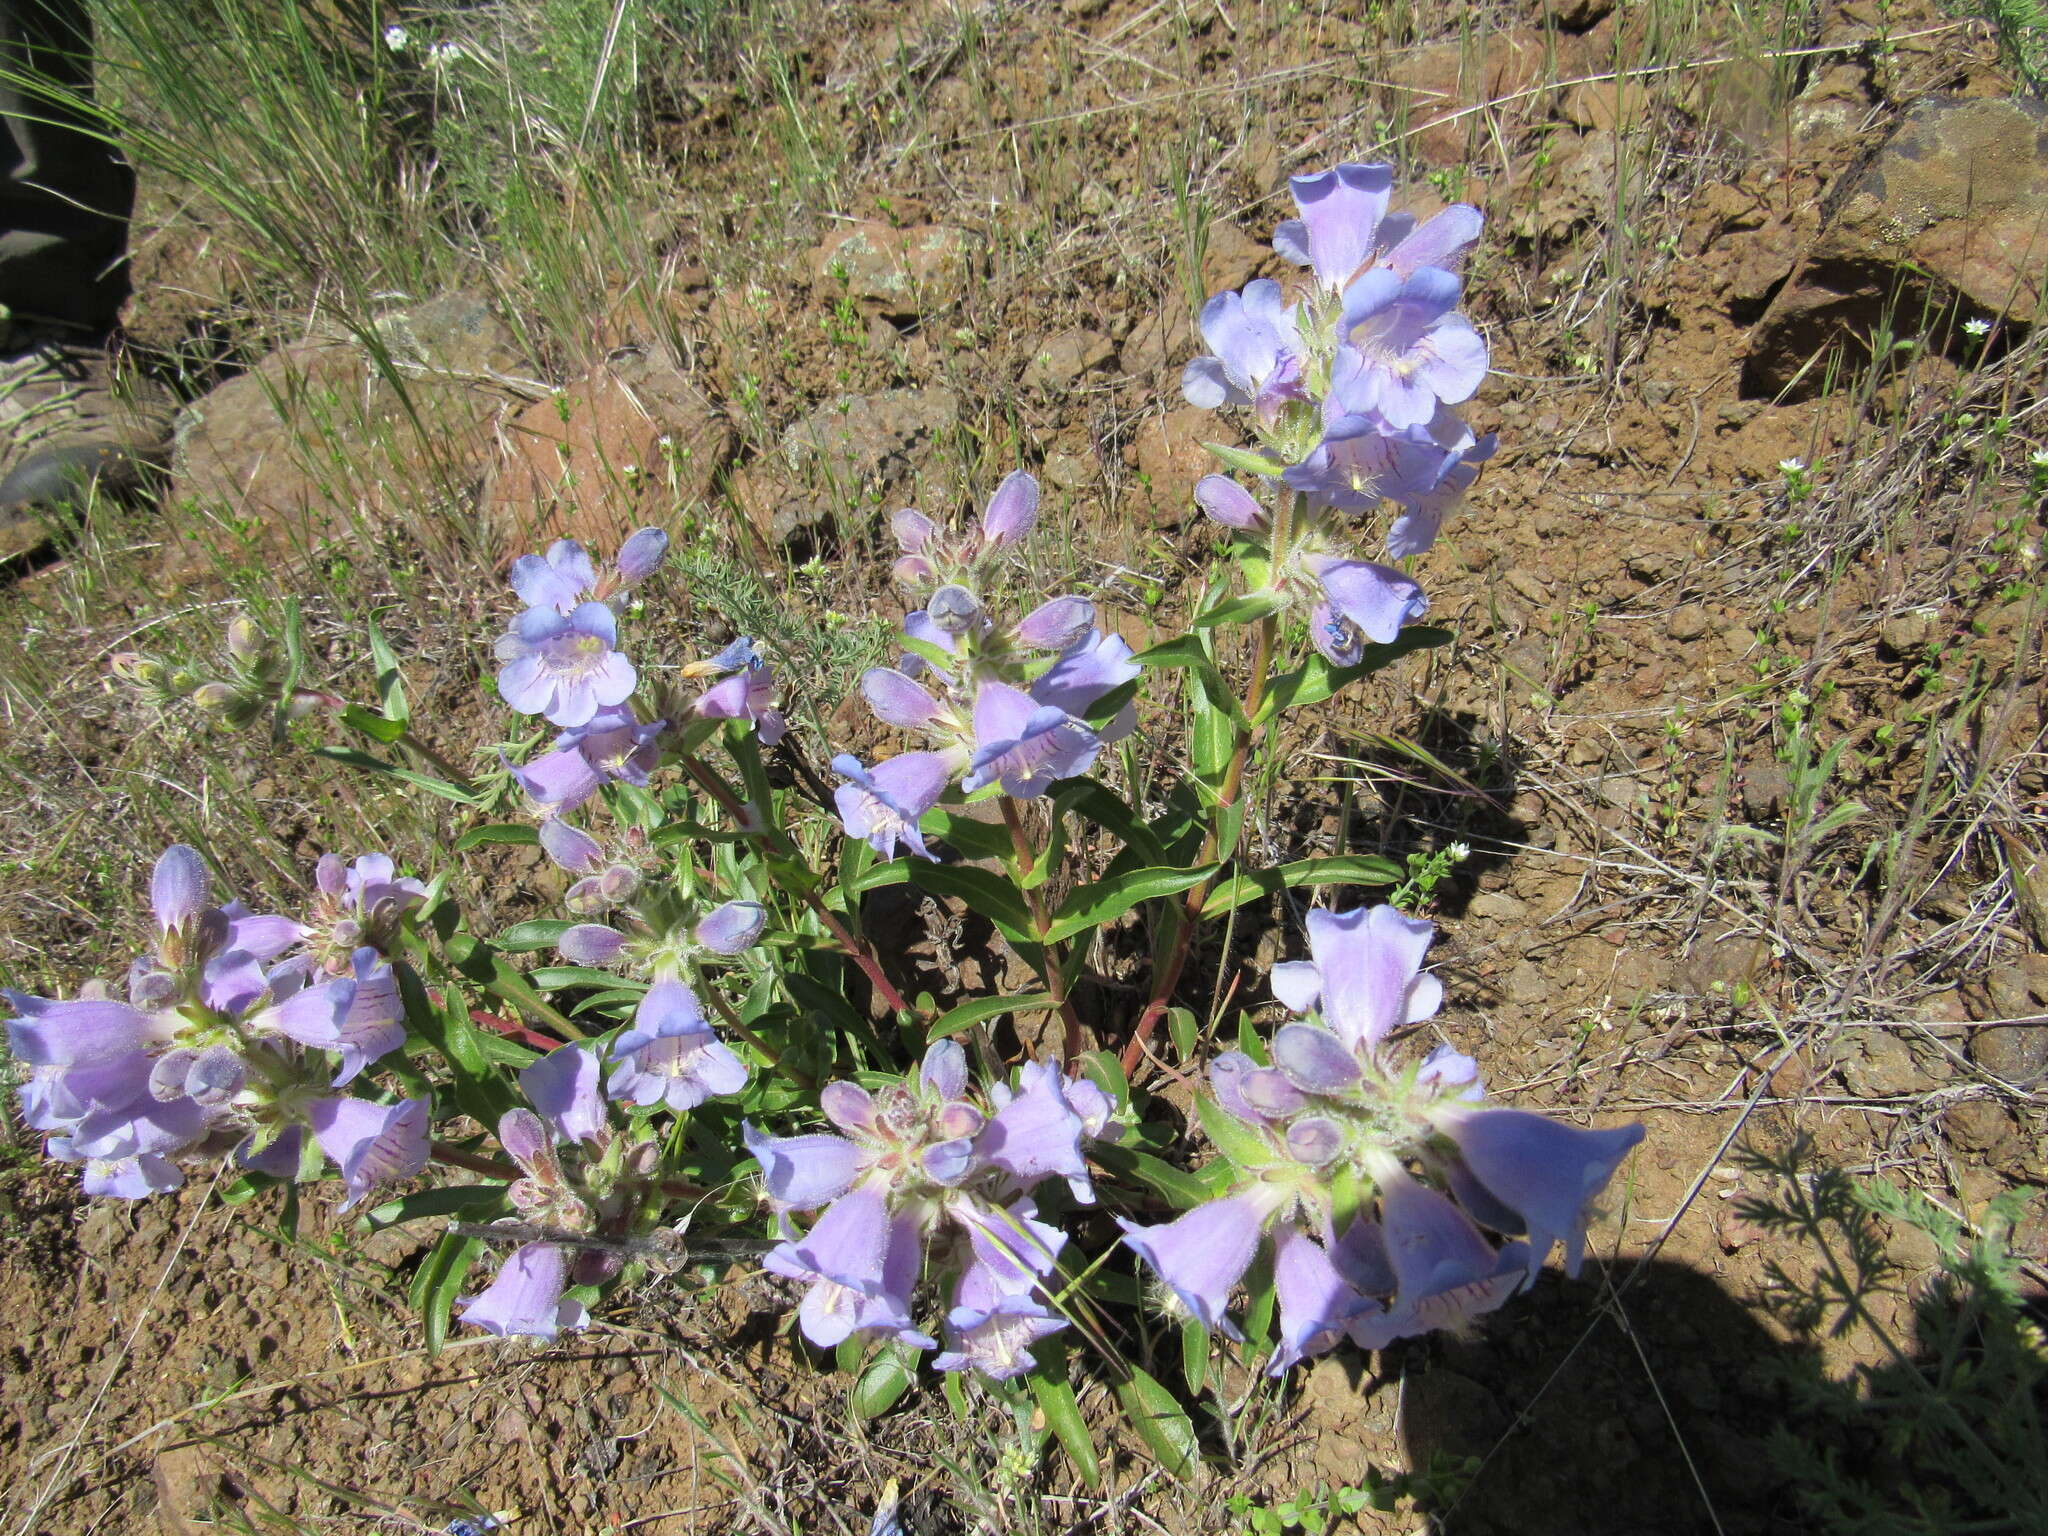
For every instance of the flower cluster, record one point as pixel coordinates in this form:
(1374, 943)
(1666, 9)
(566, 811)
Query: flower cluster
(1333, 1123)
(1006, 702)
(919, 1166)
(236, 1027)
(1349, 389)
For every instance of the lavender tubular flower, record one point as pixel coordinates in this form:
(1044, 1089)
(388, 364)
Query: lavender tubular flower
(178, 887)
(1546, 1172)
(1024, 745)
(746, 695)
(526, 1297)
(670, 1056)
(1201, 1256)
(883, 805)
(612, 744)
(564, 1086)
(1255, 362)
(564, 665)
(559, 579)
(372, 1143)
(1407, 353)
(1011, 512)
(804, 1172)
(1366, 974)
(1317, 1304)
(1344, 228)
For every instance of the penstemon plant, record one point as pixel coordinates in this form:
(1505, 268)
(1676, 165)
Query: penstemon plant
(716, 1034)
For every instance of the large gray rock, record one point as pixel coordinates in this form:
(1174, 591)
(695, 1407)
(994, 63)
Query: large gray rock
(332, 432)
(1950, 212)
(901, 272)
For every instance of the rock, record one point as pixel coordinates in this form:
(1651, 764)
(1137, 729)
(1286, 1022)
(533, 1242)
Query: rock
(1949, 213)
(906, 272)
(1231, 258)
(1579, 15)
(1980, 1126)
(1064, 357)
(1171, 459)
(1445, 80)
(1881, 1064)
(322, 435)
(189, 1490)
(1499, 906)
(1832, 110)
(1164, 336)
(2015, 1052)
(1689, 622)
(1904, 636)
(849, 454)
(627, 445)
(1765, 788)
(1070, 471)
(1722, 959)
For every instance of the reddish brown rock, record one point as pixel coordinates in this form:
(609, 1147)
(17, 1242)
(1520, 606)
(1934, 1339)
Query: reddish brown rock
(631, 443)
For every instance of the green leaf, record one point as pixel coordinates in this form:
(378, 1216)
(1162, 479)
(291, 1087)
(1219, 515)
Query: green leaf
(540, 933)
(482, 964)
(438, 1282)
(1248, 609)
(1237, 1141)
(994, 897)
(1063, 1413)
(479, 1092)
(1245, 885)
(895, 872)
(390, 680)
(552, 978)
(1160, 1422)
(969, 1014)
(369, 764)
(1180, 1189)
(882, 1385)
(1102, 901)
(372, 724)
(1110, 705)
(1194, 1355)
(1315, 680)
(497, 832)
(1245, 461)
(1180, 1024)
(969, 836)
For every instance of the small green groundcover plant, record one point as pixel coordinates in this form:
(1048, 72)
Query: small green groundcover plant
(698, 1045)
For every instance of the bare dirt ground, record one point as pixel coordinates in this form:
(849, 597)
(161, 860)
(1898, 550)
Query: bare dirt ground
(1657, 921)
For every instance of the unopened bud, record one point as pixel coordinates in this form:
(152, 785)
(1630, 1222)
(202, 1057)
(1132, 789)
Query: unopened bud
(245, 640)
(641, 554)
(134, 667)
(954, 610)
(215, 698)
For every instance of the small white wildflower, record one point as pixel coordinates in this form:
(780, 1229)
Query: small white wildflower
(1977, 326)
(2038, 458)
(441, 55)
(1791, 466)
(1460, 852)
(396, 38)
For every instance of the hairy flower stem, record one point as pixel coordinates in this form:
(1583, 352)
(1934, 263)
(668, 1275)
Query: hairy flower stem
(1168, 977)
(1053, 970)
(496, 1168)
(775, 842)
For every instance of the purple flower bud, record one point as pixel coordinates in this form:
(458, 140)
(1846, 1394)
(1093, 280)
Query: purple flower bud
(1314, 1060)
(178, 887)
(1270, 1094)
(957, 1119)
(1011, 512)
(953, 610)
(948, 1162)
(913, 530)
(244, 639)
(641, 555)
(330, 874)
(215, 1077)
(1226, 1081)
(570, 847)
(1228, 503)
(591, 944)
(847, 1105)
(1055, 625)
(524, 1138)
(732, 927)
(898, 701)
(1314, 1140)
(944, 1069)
(167, 1077)
(913, 571)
